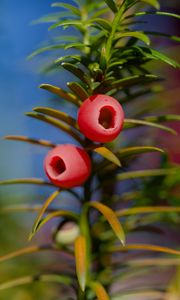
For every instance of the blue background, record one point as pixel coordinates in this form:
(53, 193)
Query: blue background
(19, 92)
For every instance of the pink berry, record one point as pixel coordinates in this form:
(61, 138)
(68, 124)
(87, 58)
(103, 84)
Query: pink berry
(67, 166)
(100, 118)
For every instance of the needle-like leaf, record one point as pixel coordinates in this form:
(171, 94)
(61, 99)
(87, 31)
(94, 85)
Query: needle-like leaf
(147, 210)
(99, 290)
(58, 115)
(59, 213)
(77, 72)
(136, 34)
(41, 212)
(79, 91)
(52, 121)
(108, 154)
(131, 123)
(112, 5)
(50, 278)
(60, 92)
(67, 6)
(37, 181)
(145, 247)
(153, 3)
(160, 13)
(126, 152)
(81, 260)
(23, 251)
(145, 173)
(27, 139)
(112, 219)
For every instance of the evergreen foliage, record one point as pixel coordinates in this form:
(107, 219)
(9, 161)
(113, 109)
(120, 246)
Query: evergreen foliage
(107, 54)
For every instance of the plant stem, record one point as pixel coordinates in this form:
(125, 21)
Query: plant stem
(115, 23)
(81, 294)
(85, 231)
(84, 17)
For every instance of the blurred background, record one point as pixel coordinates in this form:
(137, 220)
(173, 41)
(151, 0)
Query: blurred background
(19, 92)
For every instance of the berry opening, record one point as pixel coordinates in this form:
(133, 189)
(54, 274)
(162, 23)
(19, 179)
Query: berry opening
(58, 165)
(107, 117)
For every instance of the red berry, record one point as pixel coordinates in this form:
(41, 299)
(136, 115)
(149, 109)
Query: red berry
(67, 166)
(100, 118)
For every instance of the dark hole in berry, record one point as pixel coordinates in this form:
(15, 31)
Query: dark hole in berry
(58, 165)
(106, 117)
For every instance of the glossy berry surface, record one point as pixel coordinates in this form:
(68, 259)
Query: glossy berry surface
(67, 166)
(100, 118)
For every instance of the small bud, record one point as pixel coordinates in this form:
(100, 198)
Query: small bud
(67, 233)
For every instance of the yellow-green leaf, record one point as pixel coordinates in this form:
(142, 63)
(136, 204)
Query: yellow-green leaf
(162, 34)
(66, 23)
(54, 278)
(131, 123)
(163, 118)
(112, 219)
(146, 210)
(141, 174)
(112, 5)
(124, 82)
(129, 151)
(153, 3)
(77, 72)
(156, 55)
(19, 208)
(72, 8)
(103, 23)
(46, 48)
(145, 173)
(125, 152)
(54, 122)
(28, 250)
(76, 46)
(161, 13)
(145, 247)
(145, 262)
(81, 260)
(108, 154)
(132, 80)
(58, 115)
(79, 91)
(29, 140)
(52, 18)
(150, 294)
(100, 12)
(42, 211)
(136, 34)
(19, 253)
(60, 92)
(60, 213)
(99, 290)
(38, 181)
